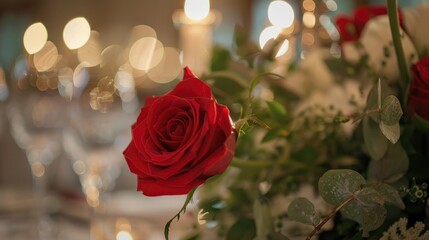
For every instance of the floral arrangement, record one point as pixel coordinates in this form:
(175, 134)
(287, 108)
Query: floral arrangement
(337, 144)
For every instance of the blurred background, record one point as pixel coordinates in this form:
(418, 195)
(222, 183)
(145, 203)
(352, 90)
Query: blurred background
(73, 76)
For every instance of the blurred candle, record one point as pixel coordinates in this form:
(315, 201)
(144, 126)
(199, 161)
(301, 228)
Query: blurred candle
(195, 25)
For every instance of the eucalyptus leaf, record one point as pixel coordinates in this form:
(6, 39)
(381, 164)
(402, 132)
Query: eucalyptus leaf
(373, 98)
(336, 185)
(263, 219)
(391, 167)
(389, 194)
(369, 215)
(391, 110)
(303, 211)
(277, 111)
(391, 132)
(368, 196)
(374, 140)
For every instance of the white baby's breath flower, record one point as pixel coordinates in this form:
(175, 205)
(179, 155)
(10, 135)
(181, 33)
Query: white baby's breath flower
(376, 39)
(399, 231)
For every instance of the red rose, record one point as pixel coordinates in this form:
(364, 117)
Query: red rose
(418, 102)
(180, 139)
(350, 27)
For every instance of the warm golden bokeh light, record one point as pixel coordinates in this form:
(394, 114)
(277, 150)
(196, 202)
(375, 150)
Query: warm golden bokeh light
(280, 14)
(197, 9)
(46, 58)
(269, 33)
(80, 76)
(283, 48)
(141, 31)
(124, 235)
(35, 37)
(146, 53)
(90, 53)
(168, 69)
(308, 5)
(76, 33)
(309, 19)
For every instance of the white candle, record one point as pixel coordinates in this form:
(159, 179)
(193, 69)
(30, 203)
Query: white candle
(195, 29)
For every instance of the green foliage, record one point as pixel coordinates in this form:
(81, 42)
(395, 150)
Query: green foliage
(353, 197)
(336, 185)
(243, 228)
(302, 210)
(374, 140)
(391, 110)
(391, 167)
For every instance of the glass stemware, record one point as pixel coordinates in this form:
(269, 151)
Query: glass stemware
(97, 133)
(36, 120)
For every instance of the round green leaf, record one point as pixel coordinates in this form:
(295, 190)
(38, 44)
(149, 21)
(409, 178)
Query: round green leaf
(302, 210)
(375, 142)
(336, 185)
(368, 214)
(391, 110)
(389, 194)
(391, 132)
(391, 167)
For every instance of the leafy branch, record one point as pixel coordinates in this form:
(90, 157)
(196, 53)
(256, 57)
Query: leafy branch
(353, 196)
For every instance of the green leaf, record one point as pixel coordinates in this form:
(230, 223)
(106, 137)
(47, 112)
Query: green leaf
(276, 236)
(391, 110)
(389, 194)
(263, 219)
(277, 111)
(374, 140)
(336, 185)
(244, 228)
(391, 167)
(302, 210)
(369, 214)
(181, 211)
(391, 132)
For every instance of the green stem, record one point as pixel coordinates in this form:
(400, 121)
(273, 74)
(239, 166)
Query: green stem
(392, 12)
(331, 215)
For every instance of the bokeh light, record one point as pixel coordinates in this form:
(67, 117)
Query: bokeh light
(269, 33)
(46, 58)
(146, 53)
(65, 83)
(124, 235)
(80, 79)
(76, 33)
(35, 37)
(309, 19)
(197, 9)
(141, 31)
(283, 48)
(168, 69)
(280, 14)
(90, 53)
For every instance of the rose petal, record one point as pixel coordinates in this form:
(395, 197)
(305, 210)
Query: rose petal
(191, 87)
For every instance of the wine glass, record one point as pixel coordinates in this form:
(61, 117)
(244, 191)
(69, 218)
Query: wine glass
(98, 131)
(35, 114)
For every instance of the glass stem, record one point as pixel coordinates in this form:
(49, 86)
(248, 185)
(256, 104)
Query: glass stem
(43, 218)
